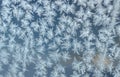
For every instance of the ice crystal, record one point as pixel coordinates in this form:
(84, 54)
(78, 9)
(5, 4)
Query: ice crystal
(59, 38)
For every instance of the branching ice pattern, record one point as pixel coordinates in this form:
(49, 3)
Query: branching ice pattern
(59, 38)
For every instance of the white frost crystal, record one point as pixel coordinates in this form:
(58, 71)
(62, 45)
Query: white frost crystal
(59, 38)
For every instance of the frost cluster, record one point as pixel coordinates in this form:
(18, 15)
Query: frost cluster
(59, 38)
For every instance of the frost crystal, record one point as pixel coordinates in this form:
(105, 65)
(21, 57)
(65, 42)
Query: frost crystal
(59, 38)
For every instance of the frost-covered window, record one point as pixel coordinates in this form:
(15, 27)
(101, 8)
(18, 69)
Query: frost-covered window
(59, 38)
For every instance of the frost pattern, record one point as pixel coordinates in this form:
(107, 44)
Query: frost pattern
(59, 38)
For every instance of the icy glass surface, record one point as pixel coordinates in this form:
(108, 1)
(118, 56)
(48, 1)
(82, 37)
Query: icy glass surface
(59, 38)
